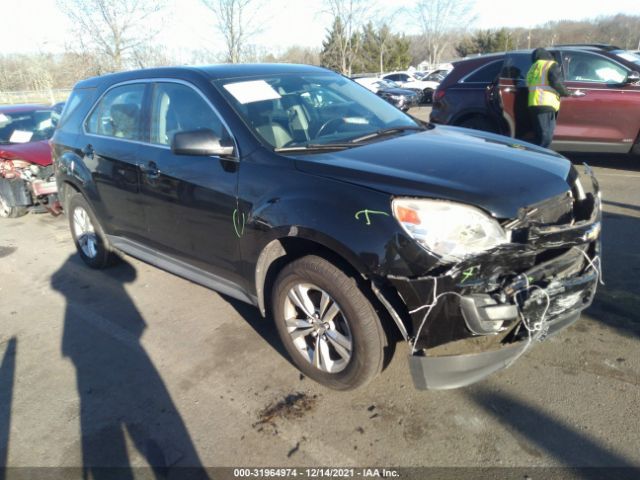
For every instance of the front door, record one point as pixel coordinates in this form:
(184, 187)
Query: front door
(189, 200)
(606, 115)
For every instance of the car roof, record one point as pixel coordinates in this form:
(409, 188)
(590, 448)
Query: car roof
(211, 72)
(23, 108)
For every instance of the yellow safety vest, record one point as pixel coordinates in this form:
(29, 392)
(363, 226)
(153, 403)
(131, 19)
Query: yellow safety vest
(540, 92)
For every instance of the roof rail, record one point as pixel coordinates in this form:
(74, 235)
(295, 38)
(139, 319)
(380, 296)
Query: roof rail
(601, 46)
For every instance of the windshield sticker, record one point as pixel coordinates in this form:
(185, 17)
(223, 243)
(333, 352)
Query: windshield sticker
(366, 214)
(20, 136)
(254, 91)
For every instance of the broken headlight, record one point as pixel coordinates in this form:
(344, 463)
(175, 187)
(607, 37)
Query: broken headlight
(452, 231)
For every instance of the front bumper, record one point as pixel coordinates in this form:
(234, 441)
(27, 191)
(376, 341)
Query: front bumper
(478, 317)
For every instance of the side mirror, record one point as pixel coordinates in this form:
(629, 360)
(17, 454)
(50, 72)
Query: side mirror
(199, 143)
(633, 77)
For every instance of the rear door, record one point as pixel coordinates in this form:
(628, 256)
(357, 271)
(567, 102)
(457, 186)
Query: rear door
(607, 114)
(190, 201)
(514, 94)
(114, 136)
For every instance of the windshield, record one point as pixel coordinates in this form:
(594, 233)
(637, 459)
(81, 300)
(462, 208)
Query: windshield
(27, 126)
(297, 110)
(629, 56)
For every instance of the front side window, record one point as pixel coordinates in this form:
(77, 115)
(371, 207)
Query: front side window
(586, 67)
(293, 110)
(179, 108)
(119, 113)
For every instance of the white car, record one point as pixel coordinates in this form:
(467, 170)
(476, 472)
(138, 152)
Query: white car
(409, 80)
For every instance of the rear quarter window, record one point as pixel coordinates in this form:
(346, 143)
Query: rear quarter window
(75, 107)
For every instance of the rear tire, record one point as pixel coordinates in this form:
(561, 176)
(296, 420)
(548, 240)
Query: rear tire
(87, 233)
(479, 123)
(328, 326)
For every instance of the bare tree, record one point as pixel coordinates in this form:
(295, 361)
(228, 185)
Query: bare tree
(236, 22)
(115, 28)
(438, 19)
(351, 15)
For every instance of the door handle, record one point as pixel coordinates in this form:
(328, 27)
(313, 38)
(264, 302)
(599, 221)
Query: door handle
(508, 89)
(578, 93)
(150, 170)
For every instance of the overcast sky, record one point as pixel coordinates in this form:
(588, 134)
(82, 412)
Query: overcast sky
(38, 25)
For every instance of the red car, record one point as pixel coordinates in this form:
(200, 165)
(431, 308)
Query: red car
(490, 93)
(26, 170)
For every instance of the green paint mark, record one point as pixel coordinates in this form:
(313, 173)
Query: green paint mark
(239, 229)
(366, 214)
(530, 279)
(468, 273)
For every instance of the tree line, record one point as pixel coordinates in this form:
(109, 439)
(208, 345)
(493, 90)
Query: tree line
(115, 35)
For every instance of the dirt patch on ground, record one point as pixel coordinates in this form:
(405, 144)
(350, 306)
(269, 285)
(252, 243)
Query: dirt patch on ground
(291, 407)
(6, 251)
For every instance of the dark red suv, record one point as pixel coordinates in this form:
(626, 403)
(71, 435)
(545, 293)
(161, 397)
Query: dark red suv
(490, 93)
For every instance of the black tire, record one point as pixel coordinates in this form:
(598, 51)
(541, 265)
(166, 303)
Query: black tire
(367, 336)
(479, 122)
(11, 212)
(427, 96)
(103, 256)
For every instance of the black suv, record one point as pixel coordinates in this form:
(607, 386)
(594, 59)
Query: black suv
(350, 223)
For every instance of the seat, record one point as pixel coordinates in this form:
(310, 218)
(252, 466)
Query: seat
(581, 71)
(124, 120)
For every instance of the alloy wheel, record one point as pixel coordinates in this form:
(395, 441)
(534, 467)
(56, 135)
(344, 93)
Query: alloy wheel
(318, 328)
(85, 232)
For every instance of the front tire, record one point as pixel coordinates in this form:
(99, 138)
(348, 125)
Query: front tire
(328, 326)
(87, 233)
(7, 211)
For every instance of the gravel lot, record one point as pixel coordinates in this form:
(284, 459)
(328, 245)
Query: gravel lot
(133, 365)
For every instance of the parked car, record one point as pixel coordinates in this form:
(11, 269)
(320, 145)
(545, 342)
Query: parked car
(26, 171)
(348, 222)
(409, 80)
(401, 98)
(490, 93)
(436, 76)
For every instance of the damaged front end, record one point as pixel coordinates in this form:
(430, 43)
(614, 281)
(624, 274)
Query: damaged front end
(27, 185)
(475, 317)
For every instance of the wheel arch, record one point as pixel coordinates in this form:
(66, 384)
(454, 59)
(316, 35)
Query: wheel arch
(281, 251)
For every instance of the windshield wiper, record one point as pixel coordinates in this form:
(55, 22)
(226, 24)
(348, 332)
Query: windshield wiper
(384, 131)
(315, 147)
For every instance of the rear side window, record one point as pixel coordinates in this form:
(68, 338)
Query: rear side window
(485, 74)
(119, 113)
(179, 108)
(517, 65)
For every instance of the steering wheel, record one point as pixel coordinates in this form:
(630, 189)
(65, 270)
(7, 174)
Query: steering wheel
(333, 122)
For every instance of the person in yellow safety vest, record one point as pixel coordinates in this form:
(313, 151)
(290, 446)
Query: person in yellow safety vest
(545, 89)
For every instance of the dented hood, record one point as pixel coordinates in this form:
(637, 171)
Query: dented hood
(496, 173)
(34, 152)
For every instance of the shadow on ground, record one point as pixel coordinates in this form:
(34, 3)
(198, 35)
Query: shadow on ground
(123, 399)
(563, 442)
(7, 375)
